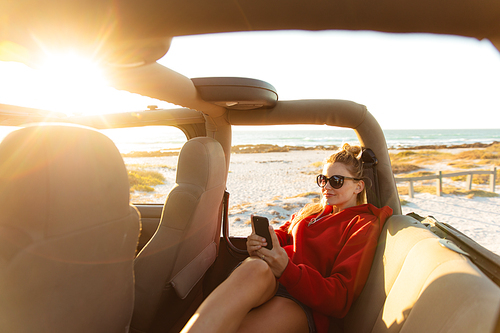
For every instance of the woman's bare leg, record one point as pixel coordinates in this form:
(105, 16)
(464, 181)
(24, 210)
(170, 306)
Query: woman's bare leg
(277, 315)
(249, 286)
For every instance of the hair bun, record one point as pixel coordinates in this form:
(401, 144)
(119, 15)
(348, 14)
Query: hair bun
(353, 150)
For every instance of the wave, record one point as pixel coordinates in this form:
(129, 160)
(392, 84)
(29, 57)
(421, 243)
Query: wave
(157, 138)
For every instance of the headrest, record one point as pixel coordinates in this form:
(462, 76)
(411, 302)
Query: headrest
(202, 163)
(58, 178)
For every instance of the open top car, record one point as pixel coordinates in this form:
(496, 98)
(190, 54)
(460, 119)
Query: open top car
(75, 256)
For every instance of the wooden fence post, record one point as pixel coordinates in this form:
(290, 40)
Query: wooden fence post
(469, 182)
(439, 177)
(493, 179)
(439, 185)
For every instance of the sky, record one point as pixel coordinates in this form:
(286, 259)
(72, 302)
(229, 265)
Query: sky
(406, 81)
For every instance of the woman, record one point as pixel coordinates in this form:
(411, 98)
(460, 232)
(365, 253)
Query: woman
(317, 267)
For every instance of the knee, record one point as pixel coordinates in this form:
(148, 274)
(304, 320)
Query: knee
(255, 278)
(254, 269)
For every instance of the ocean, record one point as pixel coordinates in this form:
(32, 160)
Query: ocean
(394, 138)
(164, 138)
(153, 139)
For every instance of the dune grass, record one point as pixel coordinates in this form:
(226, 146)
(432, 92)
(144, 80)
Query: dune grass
(478, 179)
(489, 153)
(398, 167)
(409, 160)
(485, 179)
(420, 174)
(144, 180)
(136, 166)
(318, 165)
(462, 165)
(474, 193)
(416, 157)
(305, 194)
(158, 153)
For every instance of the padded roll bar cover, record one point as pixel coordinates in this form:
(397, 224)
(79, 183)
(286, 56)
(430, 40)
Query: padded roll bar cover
(160, 82)
(338, 113)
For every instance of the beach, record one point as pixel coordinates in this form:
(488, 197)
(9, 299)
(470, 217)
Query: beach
(277, 184)
(269, 184)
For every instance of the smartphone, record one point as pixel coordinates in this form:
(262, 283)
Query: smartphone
(261, 227)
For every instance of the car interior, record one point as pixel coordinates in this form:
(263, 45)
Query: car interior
(77, 256)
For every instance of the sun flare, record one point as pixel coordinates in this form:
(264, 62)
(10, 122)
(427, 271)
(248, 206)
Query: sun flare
(72, 69)
(69, 83)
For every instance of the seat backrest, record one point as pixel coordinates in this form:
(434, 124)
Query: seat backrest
(67, 232)
(418, 285)
(186, 242)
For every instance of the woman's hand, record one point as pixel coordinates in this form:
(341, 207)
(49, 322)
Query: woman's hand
(277, 259)
(255, 243)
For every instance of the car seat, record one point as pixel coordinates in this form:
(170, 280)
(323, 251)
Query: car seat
(67, 232)
(186, 242)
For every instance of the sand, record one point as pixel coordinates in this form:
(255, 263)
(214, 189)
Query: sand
(267, 184)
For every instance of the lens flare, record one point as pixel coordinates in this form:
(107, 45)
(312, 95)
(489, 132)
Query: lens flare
(71, 69)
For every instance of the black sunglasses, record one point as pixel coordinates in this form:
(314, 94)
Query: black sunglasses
(336, 181)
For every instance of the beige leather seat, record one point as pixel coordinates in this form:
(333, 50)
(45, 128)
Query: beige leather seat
(418, 285)
(67, 232)
(186, 242)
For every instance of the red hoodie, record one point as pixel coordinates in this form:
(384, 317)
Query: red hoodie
(330, 259)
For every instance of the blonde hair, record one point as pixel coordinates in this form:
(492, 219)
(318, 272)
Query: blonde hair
(348, 155)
